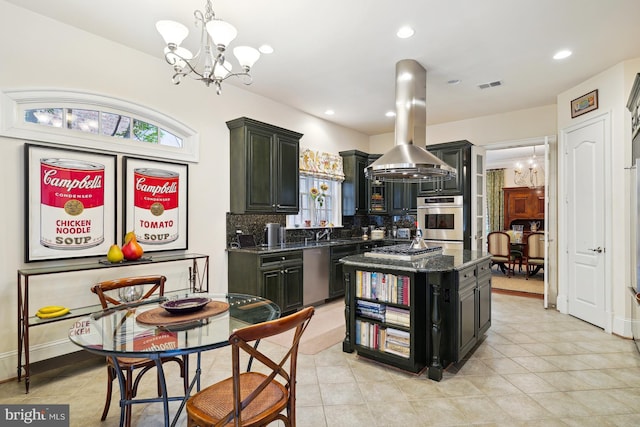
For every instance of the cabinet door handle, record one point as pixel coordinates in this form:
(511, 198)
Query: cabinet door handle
(598, 250)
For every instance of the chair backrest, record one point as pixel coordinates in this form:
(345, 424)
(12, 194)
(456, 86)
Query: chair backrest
(100, 289)
(499, 244)
(241, 339)
(535, 246)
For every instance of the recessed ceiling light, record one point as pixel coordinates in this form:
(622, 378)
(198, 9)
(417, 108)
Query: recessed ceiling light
(390, 114)
(329, 112)
(265, 48)
(562, 54)
(405, 32)
(454, 81)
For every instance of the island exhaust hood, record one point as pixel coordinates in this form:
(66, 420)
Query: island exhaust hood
(408, 161)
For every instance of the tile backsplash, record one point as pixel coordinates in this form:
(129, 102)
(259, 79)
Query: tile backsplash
(351, 226)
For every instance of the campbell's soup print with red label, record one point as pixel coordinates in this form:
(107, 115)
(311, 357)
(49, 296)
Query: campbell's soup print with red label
(155, 205)
(71, 204)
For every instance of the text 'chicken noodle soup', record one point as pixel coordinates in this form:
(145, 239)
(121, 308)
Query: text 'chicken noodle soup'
(71, 204)
(155, 211)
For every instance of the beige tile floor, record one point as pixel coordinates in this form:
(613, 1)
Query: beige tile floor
(535, 367)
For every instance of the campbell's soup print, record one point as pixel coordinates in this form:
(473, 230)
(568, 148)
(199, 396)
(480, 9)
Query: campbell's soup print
(71, 204)
(155, 205)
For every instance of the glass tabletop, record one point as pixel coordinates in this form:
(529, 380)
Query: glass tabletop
(116, 331)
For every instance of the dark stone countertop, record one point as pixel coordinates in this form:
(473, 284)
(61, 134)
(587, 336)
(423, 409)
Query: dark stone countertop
(451, 259)
(296, 246)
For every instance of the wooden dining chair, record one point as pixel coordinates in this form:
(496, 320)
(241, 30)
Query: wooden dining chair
(108, 292)
(534, 259)
(499, 246)
(254, 398)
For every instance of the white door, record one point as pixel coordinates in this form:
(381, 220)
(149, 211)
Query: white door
(585, 160)
(478, 200)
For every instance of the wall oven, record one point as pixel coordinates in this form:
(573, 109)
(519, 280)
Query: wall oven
(441, 220)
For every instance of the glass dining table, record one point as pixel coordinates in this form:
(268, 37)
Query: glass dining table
(144, 329)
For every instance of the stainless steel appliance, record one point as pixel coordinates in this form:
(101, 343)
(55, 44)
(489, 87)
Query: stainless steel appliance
(441, 220)
(272, 234)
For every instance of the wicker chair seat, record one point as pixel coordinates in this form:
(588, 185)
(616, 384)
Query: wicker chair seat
(216, 401)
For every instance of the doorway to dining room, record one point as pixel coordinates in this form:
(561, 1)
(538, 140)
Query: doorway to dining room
(512, 161)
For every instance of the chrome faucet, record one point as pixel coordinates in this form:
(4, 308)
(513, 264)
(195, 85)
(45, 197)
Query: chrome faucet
(322, 233)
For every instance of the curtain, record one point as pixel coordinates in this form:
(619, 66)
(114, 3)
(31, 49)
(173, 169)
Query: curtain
(495, 200)
(321, 165)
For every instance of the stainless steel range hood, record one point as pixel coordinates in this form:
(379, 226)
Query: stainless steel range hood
(408, 161)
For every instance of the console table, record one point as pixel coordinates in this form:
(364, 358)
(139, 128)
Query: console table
(198, 282)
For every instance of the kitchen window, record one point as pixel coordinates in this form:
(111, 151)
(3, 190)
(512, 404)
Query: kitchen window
(320, 195)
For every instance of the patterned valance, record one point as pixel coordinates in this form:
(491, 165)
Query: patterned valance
(321, 165)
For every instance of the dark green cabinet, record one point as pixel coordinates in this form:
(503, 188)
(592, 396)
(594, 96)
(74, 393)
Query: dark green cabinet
(277, 276)
(336, 280)
(457, 155)
(472, 316)
(354, 186)
(404, 198)
(264, 167)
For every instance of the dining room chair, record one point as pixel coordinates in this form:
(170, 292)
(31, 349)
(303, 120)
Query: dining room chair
(534, 259)
(109, 292)
(254, 398)
(499, 246)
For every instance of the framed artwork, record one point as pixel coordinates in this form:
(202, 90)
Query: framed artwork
(155, 203)
(70, 203)
(584, 104)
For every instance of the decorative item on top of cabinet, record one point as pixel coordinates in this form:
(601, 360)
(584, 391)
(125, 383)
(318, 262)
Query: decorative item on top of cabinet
(456, 154)
(264, 167)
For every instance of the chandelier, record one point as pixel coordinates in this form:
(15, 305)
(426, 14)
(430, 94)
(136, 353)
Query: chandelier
(531, 176)
(209, 64)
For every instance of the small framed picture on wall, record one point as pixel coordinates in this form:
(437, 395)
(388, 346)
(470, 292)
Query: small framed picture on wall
(584, 104)
(155, 203)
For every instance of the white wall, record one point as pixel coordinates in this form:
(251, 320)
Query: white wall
(614, 86)
(42, 53)
(485, 130)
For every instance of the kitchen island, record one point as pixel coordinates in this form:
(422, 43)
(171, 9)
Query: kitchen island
(428, 312)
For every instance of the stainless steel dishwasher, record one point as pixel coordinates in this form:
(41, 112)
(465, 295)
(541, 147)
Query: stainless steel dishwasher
(316, 275)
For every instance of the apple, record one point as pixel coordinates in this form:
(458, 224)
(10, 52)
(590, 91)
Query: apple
(132, 249)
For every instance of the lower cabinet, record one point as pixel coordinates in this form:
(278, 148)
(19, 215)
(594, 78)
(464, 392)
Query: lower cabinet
(468, 310)
(278, 277)
(336, 282)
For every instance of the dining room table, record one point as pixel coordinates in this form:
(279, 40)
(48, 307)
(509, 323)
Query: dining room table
(178, 325)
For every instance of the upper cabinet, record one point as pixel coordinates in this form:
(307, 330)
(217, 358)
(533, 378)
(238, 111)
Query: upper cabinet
(264, 167)
(354, 186)
(404, 198)
(457, 155)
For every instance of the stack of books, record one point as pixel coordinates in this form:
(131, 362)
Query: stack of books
(370, 309)
(397, 342)
(383, 287)
(398, 316)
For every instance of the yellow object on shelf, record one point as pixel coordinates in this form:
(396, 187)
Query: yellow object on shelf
(51, 311)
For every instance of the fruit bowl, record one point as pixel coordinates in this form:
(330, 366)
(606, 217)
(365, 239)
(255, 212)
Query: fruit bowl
(185, 305)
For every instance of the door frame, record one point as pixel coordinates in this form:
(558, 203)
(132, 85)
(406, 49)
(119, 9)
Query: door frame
(551, 202)
(563, 237)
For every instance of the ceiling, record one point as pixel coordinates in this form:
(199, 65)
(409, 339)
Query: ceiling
(341, 55)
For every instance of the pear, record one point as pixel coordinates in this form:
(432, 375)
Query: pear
(132, 249)
(130, 235)
(115, 254)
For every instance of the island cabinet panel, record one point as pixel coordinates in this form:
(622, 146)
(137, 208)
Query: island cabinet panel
(277, 277)
(387, 316)
(264, 167)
